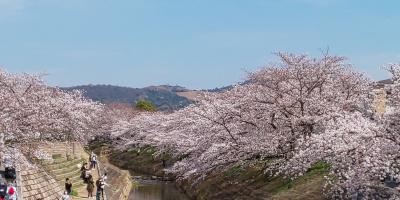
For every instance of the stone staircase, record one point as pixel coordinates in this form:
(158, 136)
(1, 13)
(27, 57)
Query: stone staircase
(63, 168)
(47, 182)
(65, 165)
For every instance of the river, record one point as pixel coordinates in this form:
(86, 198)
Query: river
(156, 190)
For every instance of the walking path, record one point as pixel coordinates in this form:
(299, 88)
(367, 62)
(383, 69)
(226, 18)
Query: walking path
(63, 168)
(82, 191)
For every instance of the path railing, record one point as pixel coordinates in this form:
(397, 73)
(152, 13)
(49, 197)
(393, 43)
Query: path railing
(18, 181)
(99, 170)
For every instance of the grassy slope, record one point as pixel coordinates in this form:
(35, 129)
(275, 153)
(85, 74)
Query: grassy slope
(138, 161)
(309, 186)
(234, 184)
(252, 184)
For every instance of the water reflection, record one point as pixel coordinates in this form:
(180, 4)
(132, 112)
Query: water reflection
(157, 191)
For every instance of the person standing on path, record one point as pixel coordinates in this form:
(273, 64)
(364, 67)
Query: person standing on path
(90, 187)
(104, 178)
(68, 186)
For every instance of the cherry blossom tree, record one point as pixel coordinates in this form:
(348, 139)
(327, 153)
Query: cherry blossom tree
(275, 114)
(32, 111)
(359, 156)
(362, 152)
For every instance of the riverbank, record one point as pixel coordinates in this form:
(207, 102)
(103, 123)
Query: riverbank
(119, 181)
(235, 183)
(251, 183)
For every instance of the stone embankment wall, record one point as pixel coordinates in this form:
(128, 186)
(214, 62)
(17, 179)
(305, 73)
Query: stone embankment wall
(38, 185)
(119, 181)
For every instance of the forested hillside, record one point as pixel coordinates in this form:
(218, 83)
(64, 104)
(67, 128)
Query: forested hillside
(164, 97)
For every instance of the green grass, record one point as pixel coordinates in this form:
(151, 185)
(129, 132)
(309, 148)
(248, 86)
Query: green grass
(251, 182)
(74, 193)
(317, 170)
(234, 172)
(141, 160)
(308, 186)
(286, 185)
(242, 182)
(319, 167)
(56, 156)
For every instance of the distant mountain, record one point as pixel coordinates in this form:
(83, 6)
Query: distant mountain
(226, 88)
(167, 88)
(381, 84)
(221, 89)
(385, 81)
(164, 96)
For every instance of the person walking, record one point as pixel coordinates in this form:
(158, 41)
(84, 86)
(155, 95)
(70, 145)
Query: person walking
(83, 170)
(68, 186)
(90, 187)
(94, 161)
(98, 189)
(88, 174)
(3, 190)
(91, 160)
(65, 196)
(12, 192)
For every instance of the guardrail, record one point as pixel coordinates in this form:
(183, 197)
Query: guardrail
(100, 173)
(18, 181)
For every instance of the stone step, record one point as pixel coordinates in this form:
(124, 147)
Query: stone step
(62, 168)
(54, 151)
(70, 163)
(72, 168)
(60, 160)
(74, 182)
(58, 149)
(68, 175)
(74, 179)
(75, 185)
(83, 198)
(60, 152)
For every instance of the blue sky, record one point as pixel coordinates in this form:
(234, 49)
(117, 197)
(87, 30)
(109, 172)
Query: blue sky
(193, 43)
